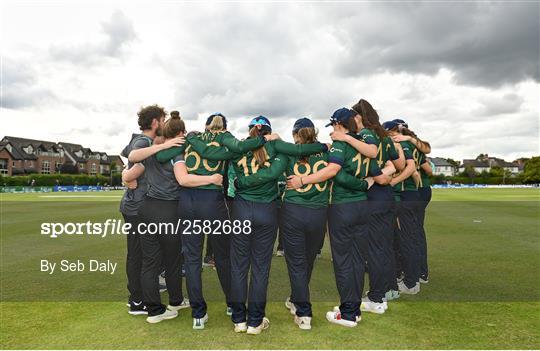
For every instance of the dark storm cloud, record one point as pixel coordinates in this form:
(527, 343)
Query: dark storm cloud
(118, 33)
(487, 44)
(289, 60)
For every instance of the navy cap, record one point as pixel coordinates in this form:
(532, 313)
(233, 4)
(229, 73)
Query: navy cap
(260, 120)
(341, 116)
(211, 117)
(402, 122)
(302, 123)
(389, 125)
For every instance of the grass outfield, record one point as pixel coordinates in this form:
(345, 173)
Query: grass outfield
(484, 247)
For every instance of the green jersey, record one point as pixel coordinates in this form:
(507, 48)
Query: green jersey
(274, 173)
(198, 165)
(411, 153)
(231, 176)
(203, 160)
(227, 140)
(426, 183)
(310, 195)
(353, 163)
(246, 164)
(386, 151)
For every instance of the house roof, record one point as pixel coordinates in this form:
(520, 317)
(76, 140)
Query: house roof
(18, 145)
(488, 163)
(440, 162)
(474, 163)
(494, 161)
(117, 159)
(18, 153)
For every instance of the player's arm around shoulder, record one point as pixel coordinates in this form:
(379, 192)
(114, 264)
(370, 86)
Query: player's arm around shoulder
(193, 180)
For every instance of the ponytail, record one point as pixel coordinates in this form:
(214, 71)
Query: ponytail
(259, 153)
(370, 118)
(307, 135)
(216, 125)
(173, 126)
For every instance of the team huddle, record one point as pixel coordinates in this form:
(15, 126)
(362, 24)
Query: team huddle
(368, 190)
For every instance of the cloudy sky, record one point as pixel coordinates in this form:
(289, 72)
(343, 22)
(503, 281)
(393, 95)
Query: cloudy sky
(464, 75)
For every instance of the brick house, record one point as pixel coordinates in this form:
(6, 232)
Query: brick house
(19, 156)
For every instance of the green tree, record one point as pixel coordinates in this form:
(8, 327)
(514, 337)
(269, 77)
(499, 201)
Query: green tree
(469, 172)
(531, 170)
(496, 171)
(482, 157)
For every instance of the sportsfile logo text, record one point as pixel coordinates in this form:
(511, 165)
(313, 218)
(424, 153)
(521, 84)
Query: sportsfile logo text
(119, 227)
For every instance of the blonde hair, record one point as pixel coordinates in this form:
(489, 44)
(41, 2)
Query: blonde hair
(259, 154)
(216, 125)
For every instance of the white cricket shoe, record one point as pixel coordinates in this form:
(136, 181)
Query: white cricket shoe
(369, 306)
(290, 306)
(403, 289)
(258, 329)
(336, 309)
(183, 304)
(335, 317)
(198, 323)
(303, 323)
(240, 327)
(385, 303)
(424, 280)
(168, 314)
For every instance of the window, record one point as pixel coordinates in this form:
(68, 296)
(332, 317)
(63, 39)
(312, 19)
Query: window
(13, 164)
(45, 167)
(29, 149)
(3, 166)
(93, 169)
(57, 166)
(81, 166)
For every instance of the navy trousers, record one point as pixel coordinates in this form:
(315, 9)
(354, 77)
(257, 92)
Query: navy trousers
(204, 205)
(410, 237)
(378, 248)
(348, 227)
(425, 198)
(302, 229)
(158, 247)
(253, 250)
